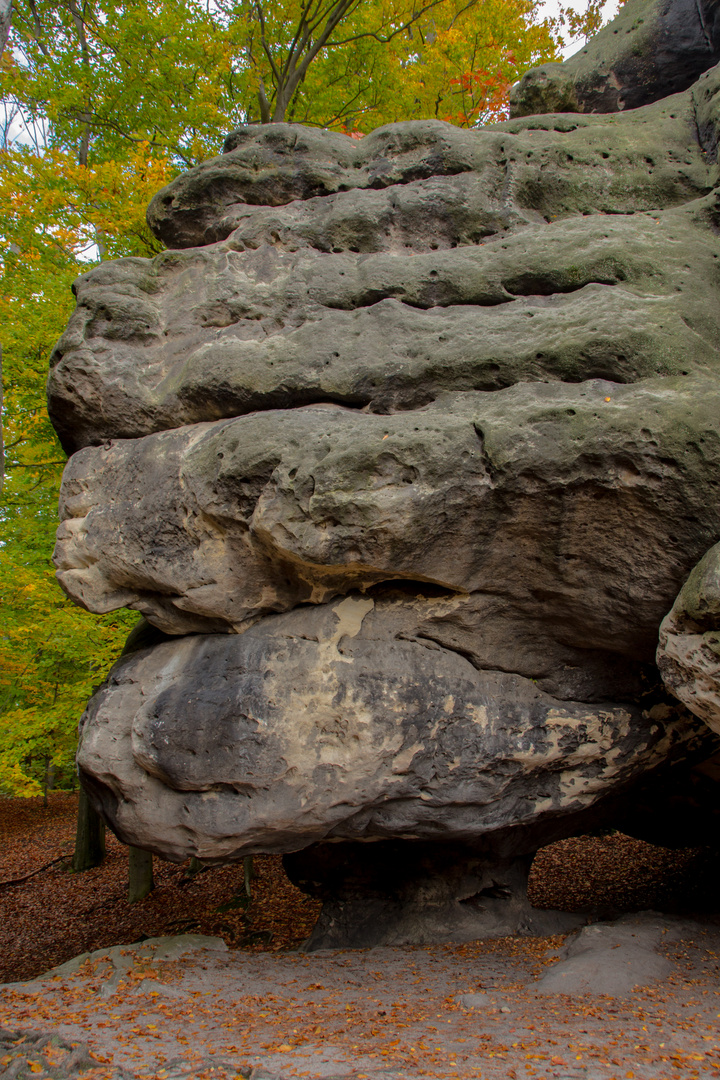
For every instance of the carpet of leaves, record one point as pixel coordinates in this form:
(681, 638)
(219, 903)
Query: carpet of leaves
(57, 914)
(344, 1013)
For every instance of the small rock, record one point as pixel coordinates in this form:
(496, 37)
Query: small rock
(473, 1001)
(612, 958)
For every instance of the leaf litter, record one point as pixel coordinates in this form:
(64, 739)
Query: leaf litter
(361, 1014)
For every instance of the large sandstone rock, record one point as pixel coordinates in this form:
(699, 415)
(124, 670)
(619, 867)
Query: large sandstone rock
(562, 522)
(405, 450)
(338, 297)
(651, 49)
(342, 722)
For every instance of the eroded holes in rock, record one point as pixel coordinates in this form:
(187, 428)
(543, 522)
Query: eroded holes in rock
(400, 587)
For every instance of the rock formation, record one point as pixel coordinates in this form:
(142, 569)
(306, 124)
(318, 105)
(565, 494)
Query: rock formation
(653, 48)
(405, 448)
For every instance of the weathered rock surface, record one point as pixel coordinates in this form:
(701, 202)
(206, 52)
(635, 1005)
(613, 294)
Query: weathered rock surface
(613, 958)
(689, 650)
(413, 441)
(604, 505)
(342, 298)
(338, 722)
(651, 49)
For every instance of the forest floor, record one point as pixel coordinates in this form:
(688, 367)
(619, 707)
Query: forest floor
(383, 1013)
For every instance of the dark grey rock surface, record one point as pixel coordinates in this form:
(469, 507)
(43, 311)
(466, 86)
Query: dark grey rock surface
(651, 49)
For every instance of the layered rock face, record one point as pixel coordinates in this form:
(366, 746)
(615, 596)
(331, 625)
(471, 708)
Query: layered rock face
(406, 447)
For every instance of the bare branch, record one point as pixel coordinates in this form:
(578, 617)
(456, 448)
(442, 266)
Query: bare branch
(398, 30)
(38, 28)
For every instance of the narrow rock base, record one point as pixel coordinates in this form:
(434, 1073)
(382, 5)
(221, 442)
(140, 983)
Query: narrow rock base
(389, 893)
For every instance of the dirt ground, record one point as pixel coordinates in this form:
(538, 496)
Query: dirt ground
(56, 914)
(383, 1014)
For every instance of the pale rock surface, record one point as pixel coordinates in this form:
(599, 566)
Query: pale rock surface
(614, 958)
(336, 722)
(689, 651)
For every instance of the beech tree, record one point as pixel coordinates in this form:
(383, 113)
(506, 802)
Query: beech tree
(284, 40)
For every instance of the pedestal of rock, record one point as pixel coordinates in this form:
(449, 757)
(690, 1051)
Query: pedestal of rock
(399, 893)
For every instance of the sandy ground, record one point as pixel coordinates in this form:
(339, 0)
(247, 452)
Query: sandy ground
(384, 1014)
(380, 1014)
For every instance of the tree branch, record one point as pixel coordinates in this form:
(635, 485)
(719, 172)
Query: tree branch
(26, 877)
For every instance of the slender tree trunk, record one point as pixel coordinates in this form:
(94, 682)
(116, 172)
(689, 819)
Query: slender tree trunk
(5, 19)
(84, 117)
(140, 874)
(90, 836)
(248, 873)
(265, 114)
(46, 781)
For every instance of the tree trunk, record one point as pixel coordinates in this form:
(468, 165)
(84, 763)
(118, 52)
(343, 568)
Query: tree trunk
(140, 874)
(5, 18)
(248, 873)
(89, 837)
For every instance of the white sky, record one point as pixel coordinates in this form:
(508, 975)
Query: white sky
(550, 8)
